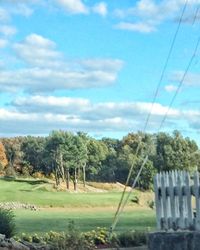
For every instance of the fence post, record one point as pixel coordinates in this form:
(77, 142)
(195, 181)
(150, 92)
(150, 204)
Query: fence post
(158, 200)
(197, 198)
(173, 199)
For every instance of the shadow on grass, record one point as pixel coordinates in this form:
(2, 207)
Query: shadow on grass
(31, 182)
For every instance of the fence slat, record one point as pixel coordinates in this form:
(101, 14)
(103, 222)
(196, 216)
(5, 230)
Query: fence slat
(189, 201)
(173, 199)
(164, 200)
(157, 200)
(197, 198)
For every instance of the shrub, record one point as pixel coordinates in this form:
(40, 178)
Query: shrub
(132, 238)
(135, 199)
(151, 204)
(7, 222)
(26, 237)
(1, 168)
(26, 170)
(71, 240)
(98, 236)
(38, 175)
(10, 171)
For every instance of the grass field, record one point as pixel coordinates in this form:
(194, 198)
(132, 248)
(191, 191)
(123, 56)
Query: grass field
(57, 220)
(88, 210)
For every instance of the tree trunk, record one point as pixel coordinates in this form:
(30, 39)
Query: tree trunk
(84, 174)
(61, 167)
(57, 178)
(75, 180)
(67, 178)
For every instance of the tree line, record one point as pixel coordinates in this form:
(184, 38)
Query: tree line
(78, 157)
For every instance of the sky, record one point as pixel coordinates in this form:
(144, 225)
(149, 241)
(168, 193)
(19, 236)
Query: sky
(94, 66)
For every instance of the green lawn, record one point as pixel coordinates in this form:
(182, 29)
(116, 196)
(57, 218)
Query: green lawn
(34, 192)
(44, 221)
(88, 210)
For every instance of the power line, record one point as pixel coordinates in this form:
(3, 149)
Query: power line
(180, 83)
(196, 14)
(128, 196)
(166, 64)
(162, 122)
(149, 114)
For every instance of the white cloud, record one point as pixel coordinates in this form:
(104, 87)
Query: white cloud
(191, 79)
(4, 15)
(39, 41)
(23, 9)
(85, 109)
(40, 114)
(102, 64)
(46, 80)
(170, 88)
(140, 27)
(101, 9)
(149, 14)
(38, 51)
(8, 30)
(47, 70)
(73, 6)
(42, 104)
(3, 43)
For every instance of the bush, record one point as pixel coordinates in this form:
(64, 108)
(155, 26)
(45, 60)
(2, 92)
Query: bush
(151, 204)
(132, 238)
(10, 171)
(71, 240)
(7, 222)
(97, 237)
(135, 199)
(26, 170)
(38, 175)
(1, 168)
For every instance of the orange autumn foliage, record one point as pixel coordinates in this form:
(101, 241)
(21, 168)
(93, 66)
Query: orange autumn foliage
(3, 158)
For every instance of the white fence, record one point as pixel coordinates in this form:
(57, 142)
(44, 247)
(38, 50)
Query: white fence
(175, 207)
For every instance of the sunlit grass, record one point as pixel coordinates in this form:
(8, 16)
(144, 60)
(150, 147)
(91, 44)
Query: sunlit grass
(46, 220)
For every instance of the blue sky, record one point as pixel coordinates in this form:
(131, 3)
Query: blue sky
(94, 66)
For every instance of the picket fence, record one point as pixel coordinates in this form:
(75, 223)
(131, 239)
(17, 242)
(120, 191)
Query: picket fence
(177, 200)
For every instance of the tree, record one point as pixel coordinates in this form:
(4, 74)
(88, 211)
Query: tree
(33, 153)
(55, 148)
(3, 158)
(68, 154)
(175, 152)
(97, 153)
(76, 156)
(13, 151)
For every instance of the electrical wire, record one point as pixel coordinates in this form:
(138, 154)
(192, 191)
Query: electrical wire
(196, 14)
(163, 120)
(180, 83)
(166, 64)
(149, 115)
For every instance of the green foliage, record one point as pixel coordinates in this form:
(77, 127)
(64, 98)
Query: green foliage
(175, 152)
(10, 171)
(135, 199)
(99, 236)
(79, 157)
(132, 238)
(73, 239)
(26, 237)
(7, 222)
(151, 204)
(1, 168)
